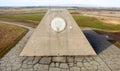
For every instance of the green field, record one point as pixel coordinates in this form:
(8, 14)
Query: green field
(33, 17)
(85, 21)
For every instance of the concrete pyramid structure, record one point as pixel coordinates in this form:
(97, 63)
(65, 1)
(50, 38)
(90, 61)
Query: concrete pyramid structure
(46, 41)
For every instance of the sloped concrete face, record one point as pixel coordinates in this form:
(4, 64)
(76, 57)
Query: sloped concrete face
(47, 42)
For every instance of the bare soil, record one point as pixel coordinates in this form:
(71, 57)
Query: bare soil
(114, 35)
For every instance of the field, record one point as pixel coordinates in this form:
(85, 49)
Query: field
(32, 17)
(31, 20)
(86, 21)
(110, 20)
(82, 21)
(111, 16)
(24, 16)
(9, 36)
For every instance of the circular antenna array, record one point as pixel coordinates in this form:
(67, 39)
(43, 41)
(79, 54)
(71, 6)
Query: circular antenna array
(58, 24)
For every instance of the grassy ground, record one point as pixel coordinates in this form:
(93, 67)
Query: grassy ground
(9, 36)
(85, 21)
(82, 21)
(31, 20)
(33, 17)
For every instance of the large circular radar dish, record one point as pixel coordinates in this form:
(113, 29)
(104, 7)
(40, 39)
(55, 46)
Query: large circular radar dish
(58, 24)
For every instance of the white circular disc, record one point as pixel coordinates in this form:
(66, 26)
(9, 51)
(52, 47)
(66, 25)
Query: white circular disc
(58, 24)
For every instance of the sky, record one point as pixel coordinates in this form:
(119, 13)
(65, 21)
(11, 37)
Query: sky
(93, 3)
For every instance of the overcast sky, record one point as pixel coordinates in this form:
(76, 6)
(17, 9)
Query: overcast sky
(96, 3)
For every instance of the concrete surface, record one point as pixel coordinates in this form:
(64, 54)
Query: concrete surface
(108, 58)
(47, 42)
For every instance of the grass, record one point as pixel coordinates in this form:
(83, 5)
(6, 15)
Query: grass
(31, 20)
(82, 21)
(9, 37)
(33, 17)
(85, 21)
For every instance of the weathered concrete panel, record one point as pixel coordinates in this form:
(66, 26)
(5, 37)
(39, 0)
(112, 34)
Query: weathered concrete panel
(47, 42)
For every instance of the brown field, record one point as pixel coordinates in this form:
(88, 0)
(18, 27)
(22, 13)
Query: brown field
(9, 36)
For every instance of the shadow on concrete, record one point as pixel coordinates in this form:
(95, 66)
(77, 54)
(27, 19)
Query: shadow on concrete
(98, 42)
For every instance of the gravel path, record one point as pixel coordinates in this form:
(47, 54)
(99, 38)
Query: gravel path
(108, 58)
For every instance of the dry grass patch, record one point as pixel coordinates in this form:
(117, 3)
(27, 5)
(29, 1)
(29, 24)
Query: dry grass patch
(9, 36)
